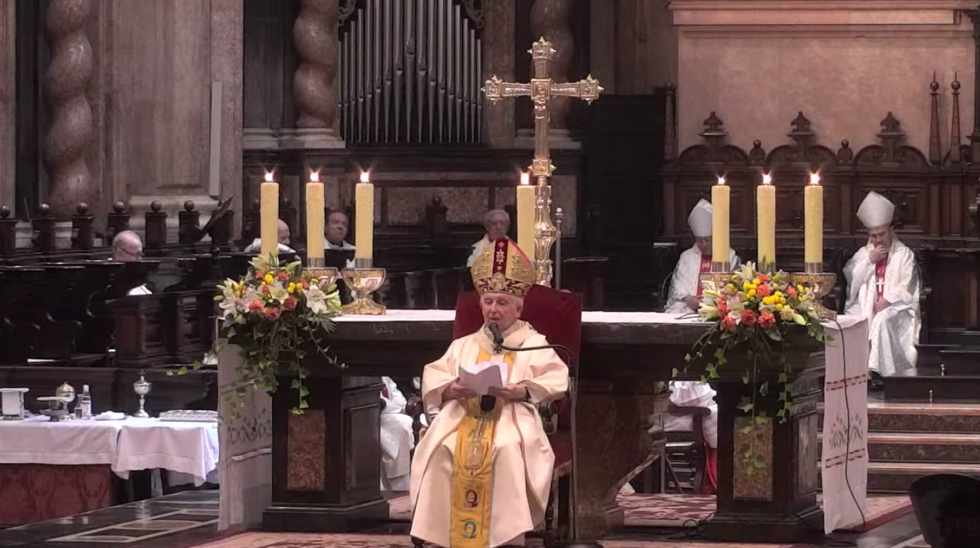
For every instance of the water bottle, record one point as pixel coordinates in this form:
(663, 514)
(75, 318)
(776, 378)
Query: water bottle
(83, 408)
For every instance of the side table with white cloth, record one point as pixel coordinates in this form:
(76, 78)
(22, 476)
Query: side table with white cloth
(55, 469)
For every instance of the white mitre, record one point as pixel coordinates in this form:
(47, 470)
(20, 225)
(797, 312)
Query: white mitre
(700, 219)
(876, 210)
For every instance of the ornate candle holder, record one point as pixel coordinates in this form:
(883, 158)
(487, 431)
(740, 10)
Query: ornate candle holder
(142, 388)
(363, 281)
(325, 275)
(822, 283)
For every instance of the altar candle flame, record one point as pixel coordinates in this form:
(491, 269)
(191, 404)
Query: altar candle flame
(268, 177)
(365, 177)
(314, 176)
(814, 178)
(721, 179)
(525, 178)
(766, 179)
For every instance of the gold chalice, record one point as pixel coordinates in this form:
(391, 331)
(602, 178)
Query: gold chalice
(362, 283)
(324, 275)
(716, 279)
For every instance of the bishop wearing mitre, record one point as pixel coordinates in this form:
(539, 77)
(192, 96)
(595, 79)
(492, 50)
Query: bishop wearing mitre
(685, 285)
(883, 286)
(481, 474)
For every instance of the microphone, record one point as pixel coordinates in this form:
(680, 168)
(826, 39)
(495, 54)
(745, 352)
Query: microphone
(498, 338)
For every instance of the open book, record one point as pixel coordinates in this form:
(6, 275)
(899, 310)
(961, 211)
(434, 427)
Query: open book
(479, 377)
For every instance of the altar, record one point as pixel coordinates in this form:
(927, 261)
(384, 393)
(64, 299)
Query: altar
(324, 462)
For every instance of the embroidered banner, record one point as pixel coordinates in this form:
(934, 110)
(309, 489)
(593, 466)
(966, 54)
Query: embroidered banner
(844, 462)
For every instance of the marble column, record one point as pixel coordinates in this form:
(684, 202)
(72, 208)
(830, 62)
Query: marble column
(552, 20)
(72, 126)
(8, 107)
(498, 59)
(227, 61)
(315, 80)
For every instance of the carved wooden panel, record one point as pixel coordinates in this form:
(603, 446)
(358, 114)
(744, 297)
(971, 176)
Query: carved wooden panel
(362, 462)
(306, 443)
(806, 449)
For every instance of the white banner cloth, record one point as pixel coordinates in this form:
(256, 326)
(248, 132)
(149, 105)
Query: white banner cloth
(186, 447)
(844, 461)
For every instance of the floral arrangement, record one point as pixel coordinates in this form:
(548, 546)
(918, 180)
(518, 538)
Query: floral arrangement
(755, 311)
(276, 314)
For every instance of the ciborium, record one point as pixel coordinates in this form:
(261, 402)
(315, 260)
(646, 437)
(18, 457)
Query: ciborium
(363, 282)
(325, 275)
(142, 388)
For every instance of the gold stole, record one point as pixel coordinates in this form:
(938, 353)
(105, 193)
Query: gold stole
(472, 483)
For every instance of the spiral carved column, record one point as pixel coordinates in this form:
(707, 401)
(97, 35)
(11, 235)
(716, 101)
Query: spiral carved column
(552, 19)
(72, 127)
(315, 81)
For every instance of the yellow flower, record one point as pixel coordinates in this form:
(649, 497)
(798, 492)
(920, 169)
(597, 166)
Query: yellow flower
(291, 287)
(267, 279)
(746, 286)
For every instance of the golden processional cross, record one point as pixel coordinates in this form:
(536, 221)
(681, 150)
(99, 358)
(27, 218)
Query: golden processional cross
(542, 89)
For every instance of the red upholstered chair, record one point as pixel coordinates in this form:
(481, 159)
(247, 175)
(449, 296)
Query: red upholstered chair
(558, 316)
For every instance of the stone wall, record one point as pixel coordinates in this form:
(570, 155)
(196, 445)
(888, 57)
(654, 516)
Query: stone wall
(844, 63)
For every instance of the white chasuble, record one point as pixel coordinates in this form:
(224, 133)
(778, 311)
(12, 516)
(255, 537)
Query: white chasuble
(894, 331)
(523, 460)
(686, 280)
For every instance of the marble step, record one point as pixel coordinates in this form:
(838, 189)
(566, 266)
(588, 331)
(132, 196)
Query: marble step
(929, 385)
(924, 447)
(941, 417)
(896, 477)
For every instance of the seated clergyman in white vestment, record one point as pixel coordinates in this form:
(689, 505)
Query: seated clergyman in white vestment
(883, 286)
(127, 246)
(282, 236)
(397, 439)
(482, 472)
(496, 222)
(685, 285)
(684, 298)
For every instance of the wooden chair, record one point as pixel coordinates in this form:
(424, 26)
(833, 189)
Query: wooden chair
(558, 316)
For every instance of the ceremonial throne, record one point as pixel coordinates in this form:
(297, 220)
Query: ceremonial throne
(558, 316)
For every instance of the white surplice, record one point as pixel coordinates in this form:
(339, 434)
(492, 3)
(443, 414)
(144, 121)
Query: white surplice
(478, 249)
(687, 276)
(693, 394)
(894, 331)
(397, 439)
(523, 458)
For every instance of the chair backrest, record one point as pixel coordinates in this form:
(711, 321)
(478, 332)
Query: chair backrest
(555, 314)
(947, 506)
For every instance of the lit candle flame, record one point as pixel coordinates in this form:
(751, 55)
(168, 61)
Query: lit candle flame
(814, 178)
(314, 176)
(268, 177)
(525, 178)
(721, 179)
(766, 179)
(365, 177)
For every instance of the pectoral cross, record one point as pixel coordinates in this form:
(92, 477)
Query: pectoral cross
(541, 89)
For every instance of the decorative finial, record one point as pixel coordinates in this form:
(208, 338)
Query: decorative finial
(81, 208)
(4, 212)
(934, 85)
(155, 206)
(43, 210)
(119, 207)
(189, 205)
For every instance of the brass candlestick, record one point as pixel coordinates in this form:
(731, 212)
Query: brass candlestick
(822, 283)
(363, 281)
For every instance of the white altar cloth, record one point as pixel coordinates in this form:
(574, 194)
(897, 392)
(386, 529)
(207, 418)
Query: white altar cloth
(844, 460)
(132, 444)
(588, 317)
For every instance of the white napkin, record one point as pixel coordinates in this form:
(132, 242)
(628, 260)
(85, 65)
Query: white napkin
(110, 416)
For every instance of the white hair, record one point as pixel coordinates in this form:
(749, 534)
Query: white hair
(489, 215)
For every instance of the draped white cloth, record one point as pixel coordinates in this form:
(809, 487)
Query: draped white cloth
(844, 459)
(523, 458)
(397, 439)
(687, 276)
(693, 394)
(894, 331)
